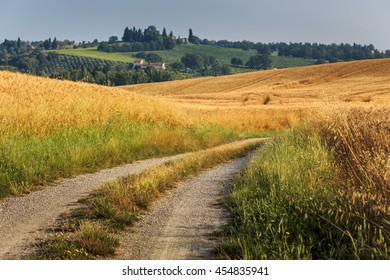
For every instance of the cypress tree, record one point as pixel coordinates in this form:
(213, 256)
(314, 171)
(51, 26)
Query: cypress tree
(54, 45)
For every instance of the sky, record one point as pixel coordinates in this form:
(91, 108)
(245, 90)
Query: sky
(320, 21)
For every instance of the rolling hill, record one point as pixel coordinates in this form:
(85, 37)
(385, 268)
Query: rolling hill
(224, 55)
(268, 98)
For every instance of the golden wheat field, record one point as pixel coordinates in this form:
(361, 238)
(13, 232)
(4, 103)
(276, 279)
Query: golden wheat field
(275, 99)
(41, 105)
(272, 99)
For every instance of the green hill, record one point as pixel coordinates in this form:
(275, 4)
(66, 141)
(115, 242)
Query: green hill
(94, 53)
(224, 55)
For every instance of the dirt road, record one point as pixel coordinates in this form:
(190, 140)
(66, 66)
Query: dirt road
(180, 226)
(23, 220)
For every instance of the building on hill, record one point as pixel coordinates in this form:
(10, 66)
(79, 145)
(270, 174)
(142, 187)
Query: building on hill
(138, 63)
(141, 63)
(158, 65)
(182, 41)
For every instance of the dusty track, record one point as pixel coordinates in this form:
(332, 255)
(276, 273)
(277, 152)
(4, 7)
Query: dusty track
(23, 220)
(180, 226)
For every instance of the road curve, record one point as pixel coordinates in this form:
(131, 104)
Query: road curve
(23, 220)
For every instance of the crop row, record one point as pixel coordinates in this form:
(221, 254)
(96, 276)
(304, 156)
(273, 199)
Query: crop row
(68, 62)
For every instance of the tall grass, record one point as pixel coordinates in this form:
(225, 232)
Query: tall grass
(361, 139)
(294, 201)
(29, 162)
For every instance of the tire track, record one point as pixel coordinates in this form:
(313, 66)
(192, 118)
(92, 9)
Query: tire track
(180, 226)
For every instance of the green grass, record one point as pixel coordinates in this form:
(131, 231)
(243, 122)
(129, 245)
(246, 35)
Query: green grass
(88, 232)
(288, 62)
(93, 53)
(27, 162)
(288, 204)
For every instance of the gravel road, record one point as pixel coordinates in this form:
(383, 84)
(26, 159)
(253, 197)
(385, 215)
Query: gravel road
(180, 226)
(24, 220)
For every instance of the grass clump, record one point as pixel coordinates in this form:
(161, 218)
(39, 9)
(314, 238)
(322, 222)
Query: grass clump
(88, 241)
(295, 201)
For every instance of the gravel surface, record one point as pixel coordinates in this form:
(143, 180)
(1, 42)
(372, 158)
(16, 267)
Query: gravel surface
(24, 220)
(180, 226)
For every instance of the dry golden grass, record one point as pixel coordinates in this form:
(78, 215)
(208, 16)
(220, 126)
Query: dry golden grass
(361, 142)
(41, 106)
(277, 98)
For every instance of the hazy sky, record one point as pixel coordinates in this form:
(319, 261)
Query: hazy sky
(322, 21)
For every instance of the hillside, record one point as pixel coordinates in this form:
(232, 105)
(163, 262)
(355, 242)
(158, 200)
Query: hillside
(240, 100)
(223, 54)
(93, 53)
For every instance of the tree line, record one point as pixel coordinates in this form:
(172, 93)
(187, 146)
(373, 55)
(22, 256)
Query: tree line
(136, 40)
(329, 52)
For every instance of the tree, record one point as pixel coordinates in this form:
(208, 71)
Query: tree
(237, 61)
(54, 45)
(104, 47)
(126, 35)
(164, 33)
(169, 43)
(151, 34)
(246, 45)
(190, 35)
(113, 39)
(193, 61)
(47, 44)
(263, 49)
(192, 38)
(260, 62)
(152, 57)
(177, 66)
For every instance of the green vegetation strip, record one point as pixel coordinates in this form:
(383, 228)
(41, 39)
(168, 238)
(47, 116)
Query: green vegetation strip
(94, 53)
(291, 204)
(89, 232)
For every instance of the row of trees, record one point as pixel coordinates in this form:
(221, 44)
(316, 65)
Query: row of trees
(136, 40)
(330, 52)
(115, 77)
